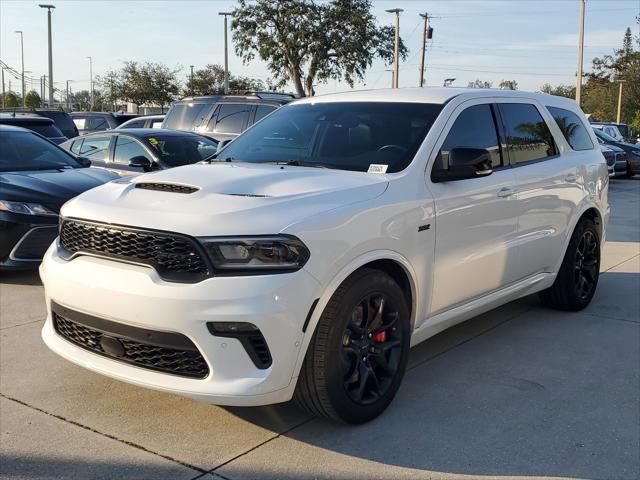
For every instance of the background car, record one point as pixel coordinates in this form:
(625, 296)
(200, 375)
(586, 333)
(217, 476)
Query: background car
(610, 129)
(42, 125)
(138, 150)
(89, 122)
(148, 121)
(61, 118)
(36, 179)
(223, 117)
(631, 149)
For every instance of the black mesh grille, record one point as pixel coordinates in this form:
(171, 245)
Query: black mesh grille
(186, 363)
(174, 256)
(262, 354)
(166, 187)
(35, 243)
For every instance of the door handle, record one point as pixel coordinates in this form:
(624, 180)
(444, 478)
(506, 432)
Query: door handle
(505, 192)
(571, 178)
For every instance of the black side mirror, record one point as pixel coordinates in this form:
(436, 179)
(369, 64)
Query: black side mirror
(141, 162)
(222, 144)
(83, 161)
(464, 163)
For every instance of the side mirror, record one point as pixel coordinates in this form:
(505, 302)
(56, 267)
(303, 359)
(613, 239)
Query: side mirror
(140, 162)
(464, 163)
(83, 161)
(222, 144)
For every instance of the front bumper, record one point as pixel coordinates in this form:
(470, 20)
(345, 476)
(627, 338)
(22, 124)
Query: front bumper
(136, 296)
(24, 238)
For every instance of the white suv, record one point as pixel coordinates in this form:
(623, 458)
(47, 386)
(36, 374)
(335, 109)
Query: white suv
(305, 259)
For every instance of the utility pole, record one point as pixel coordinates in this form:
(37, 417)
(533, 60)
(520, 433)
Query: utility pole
(580, 55)
(396, 62)
(226, 52)
(67, 97)
(24, 101)
(91, 80)
(619, 100)
(49, 8)
(191, 83)
(427, 33)
(44, 90)
(3, 92)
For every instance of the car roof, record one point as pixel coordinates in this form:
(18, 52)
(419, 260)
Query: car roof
(31, 119)
(141, 132)
(13, 128)
(437, 95)
(251, 97)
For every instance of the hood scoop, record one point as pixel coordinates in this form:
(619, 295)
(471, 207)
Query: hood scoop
(167, 187)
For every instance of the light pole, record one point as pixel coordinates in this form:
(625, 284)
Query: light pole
(24, 102)
(191, 83)
(580, 54)
(226, 52)
(49, 8)
(619, 100)
(67, 97)
(91, 80)
(3, 92)
(396, 63)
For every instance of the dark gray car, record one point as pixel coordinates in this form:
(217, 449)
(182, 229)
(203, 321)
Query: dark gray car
(41, 125)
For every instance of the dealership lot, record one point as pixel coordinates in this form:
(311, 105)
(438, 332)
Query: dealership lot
(519, 392)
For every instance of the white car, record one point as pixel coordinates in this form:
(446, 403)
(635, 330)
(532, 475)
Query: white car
(306, 258)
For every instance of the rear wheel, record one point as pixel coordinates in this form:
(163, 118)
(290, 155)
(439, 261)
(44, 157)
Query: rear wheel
(577, 279)
(358, 354)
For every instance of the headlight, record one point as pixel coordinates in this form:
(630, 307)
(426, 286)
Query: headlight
(26, 208)
(256, 254)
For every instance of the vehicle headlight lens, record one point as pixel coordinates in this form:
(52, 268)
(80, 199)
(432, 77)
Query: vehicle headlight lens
(26, 208)
(257, 254)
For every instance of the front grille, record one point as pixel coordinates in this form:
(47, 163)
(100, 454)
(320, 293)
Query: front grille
(175, 257)
(185, 361)
(35, 242)
(166, 187)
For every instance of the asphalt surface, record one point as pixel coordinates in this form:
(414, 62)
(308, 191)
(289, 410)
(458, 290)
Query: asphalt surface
(519, 392)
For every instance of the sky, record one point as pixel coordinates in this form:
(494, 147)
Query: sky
(531, 41)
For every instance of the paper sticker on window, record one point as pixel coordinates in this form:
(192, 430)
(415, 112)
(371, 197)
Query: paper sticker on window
(375, 168)
(153, 141)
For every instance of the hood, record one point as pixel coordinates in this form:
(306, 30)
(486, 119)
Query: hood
(229, 199)
(51, 187)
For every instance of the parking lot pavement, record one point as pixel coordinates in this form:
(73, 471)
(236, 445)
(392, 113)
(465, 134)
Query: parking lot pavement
(518, 392)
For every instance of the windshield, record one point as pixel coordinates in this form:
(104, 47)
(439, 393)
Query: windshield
(604, 136)
(176, 150)
(27, 151)
(345, 136)
(185, 116)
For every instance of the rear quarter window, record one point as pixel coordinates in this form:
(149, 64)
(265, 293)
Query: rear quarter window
(572, 128)
(527, 134)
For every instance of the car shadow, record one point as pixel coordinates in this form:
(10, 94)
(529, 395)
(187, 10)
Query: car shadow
(20, 277)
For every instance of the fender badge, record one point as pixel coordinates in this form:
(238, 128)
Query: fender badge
(422, 228)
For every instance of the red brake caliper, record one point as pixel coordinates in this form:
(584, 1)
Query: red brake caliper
(380, 337)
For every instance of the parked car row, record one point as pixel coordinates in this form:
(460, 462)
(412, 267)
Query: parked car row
(627, 155)
(305, 257)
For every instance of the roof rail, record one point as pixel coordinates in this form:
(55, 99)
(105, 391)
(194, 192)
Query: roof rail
(261, 94)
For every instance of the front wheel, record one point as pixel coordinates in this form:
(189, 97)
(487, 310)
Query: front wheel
(577, 279)
(358, 354)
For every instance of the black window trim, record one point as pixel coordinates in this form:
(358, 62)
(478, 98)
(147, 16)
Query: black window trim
(503, 129)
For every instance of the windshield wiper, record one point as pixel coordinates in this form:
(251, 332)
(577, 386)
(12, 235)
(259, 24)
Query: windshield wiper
(214, 159)
(298, 163)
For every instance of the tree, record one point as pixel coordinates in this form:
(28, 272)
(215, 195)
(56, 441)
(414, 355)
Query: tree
(81, 100)
(136, 84)
(10, 100)
(568, 91)
(110, 83)
(479, 84)
(210, 81)
(32, 99)
(304, 41)
(508, 85)
(164, 83)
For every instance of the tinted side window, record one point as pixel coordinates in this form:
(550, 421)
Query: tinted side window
(572, 128)
(475, 127)
(528, 137)
(126, 148)
(262, 111)
(75, 146)
(135, 124)
(95, 148)
(186, 116)
(232, 118)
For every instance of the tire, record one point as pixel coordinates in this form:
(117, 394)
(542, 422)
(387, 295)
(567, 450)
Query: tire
(349, 346)
(629, 173)
(577, 279)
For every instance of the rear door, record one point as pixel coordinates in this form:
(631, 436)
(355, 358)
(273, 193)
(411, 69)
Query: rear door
(476, 219)
(95, 147)
(124, 149)
(547, 183)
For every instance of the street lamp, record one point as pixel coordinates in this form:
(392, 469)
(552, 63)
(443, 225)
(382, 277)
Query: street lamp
(49, 8)
(226, 52)
(191, 83)
(24, 102)
(448, 82)
(396, 63)
(91, 80)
